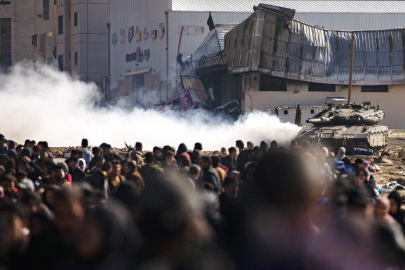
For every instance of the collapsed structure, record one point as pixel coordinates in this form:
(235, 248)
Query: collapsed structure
(271, 61)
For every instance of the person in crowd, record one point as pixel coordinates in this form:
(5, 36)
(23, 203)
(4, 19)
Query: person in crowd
(150, 169)
(97, 162)
(305, 150)
(98, 178)
(180, 150)
(109, 155)
(197, 153)
(81, 164)
(231, 188)
(43, 156)
(250, 145)
(273, 146)
(158, 155)
(27, 143)
(86, 153)
(32, 144)
(223, 154)
(74, 170)
(80, 154)
(19, 149)
(209, 178)
(3, 149)
(57, 177)
(244, 156)
(390, 231)
(7, 183)
(263, 147)
(132, 167)
(230, 160)
(294, 146)
(115, 178)
(169, 165)
(341, 153)
(370, 177)
(358, 163)
(11, 149)
(195, 174)
(137, 154)
(395, 208)
(96, 154)
(221, 172)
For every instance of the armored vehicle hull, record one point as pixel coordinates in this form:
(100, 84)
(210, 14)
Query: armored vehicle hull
(335, 136)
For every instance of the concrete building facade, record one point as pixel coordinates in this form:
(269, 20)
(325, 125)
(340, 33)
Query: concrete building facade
(81, 38)
(26, 31)
(71, 35)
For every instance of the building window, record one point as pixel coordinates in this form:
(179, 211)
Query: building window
(312, 111)
(60, 25)
(76, 58)
(5, 42)
(45, 4)
(374, 88)
(60, 62)
(321, 87)
(271, 83)
(285, 111)
(75, 19)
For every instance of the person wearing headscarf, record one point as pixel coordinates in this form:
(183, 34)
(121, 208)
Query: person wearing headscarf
(81, 164)
(180, 150)
(365, 167)
(341, 154)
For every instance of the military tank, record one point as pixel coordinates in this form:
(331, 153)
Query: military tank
(348, 125)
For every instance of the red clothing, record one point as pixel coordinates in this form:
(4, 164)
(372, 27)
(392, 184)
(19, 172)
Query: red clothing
(68, 178)
(186, 155)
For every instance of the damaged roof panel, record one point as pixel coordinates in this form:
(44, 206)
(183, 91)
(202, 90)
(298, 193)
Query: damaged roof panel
(288, 48)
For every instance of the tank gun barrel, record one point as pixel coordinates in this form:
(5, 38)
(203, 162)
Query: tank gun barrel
(318, 120)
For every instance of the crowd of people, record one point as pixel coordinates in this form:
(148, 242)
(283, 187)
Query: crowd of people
(245, 207)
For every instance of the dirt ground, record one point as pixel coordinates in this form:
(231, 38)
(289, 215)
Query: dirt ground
(391, 160)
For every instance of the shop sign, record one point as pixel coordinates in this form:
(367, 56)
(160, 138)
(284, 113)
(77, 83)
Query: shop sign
(138, 56)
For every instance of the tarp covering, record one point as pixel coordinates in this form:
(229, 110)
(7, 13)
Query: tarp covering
(272, 43)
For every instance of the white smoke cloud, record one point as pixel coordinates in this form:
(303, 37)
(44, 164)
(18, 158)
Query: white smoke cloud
(44, 104)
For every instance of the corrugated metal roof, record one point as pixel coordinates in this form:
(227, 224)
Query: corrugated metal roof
(274, 44)
(213, 44)
(299, 6)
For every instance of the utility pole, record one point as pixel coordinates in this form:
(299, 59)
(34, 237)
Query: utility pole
(351, 68)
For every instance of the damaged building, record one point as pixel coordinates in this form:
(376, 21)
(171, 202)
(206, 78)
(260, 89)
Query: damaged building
(278, 61)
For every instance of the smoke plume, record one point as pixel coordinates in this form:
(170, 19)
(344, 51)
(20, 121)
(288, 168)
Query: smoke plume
(43, 104)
